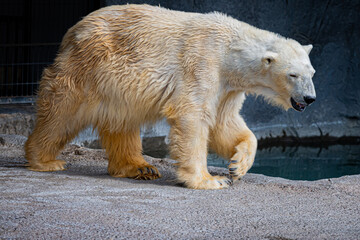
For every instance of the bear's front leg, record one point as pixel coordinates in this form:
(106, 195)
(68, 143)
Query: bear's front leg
(237, 143)
(244, 156)
(188, 145)
(232, 139)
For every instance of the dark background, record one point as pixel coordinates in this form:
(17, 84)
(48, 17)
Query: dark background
(30, 32)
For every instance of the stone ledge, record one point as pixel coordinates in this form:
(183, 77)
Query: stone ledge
(20, 120)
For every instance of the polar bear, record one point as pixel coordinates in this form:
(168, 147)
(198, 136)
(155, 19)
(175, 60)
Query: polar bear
(125, 66)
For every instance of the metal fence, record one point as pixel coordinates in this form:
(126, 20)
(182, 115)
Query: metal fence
(21, 66)
(30, 31)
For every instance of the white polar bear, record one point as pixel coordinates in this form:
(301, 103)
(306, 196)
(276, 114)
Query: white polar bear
(124, 66)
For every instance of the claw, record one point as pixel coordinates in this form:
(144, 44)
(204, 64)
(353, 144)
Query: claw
(232, 169)
(220, 183)
(233, 161)
(147, 173)
(229, 182)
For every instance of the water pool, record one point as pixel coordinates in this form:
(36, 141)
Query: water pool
(303, 163)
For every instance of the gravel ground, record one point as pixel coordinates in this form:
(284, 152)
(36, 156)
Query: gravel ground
(84, 202)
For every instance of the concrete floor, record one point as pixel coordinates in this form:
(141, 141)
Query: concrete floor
(84, 202)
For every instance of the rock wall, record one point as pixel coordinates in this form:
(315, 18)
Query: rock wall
(333, 28)
(17, 119)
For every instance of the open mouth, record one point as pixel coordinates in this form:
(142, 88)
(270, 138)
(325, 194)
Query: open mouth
(297, 105)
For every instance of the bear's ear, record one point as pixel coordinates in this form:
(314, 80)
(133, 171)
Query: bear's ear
(308, 48)
(269, 58)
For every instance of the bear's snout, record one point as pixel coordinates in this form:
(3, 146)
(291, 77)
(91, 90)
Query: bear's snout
(309, 99)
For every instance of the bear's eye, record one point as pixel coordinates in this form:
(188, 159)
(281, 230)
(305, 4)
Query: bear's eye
(293, 75)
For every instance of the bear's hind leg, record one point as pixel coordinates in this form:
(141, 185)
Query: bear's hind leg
(55, 126)
(125, 155)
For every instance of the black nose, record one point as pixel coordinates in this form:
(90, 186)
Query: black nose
(309, 100)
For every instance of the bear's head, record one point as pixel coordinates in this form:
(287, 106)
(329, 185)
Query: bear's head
(280, 70)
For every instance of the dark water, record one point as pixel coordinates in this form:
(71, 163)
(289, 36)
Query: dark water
(303, 163)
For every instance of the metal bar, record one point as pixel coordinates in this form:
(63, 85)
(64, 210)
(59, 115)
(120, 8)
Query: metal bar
(28, 44)
(24, 99)
(17, 64)
(14, 84)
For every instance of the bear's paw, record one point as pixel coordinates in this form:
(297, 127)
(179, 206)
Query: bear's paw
(203, 181)
(146, 172)
(241, 162)
(49, 166)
